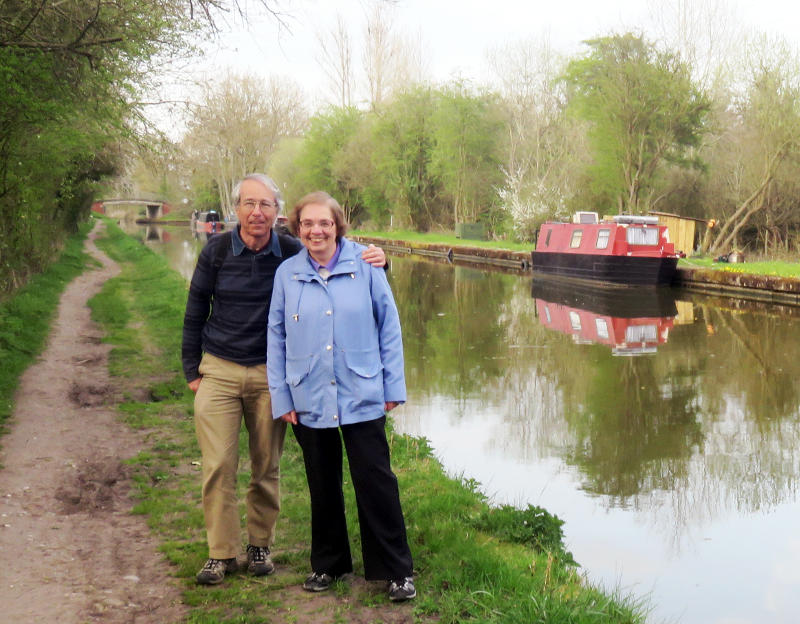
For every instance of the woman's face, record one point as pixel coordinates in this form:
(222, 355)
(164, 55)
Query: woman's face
(318, 231)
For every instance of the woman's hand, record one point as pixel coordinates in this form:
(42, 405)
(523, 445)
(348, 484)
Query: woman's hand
(290, 417)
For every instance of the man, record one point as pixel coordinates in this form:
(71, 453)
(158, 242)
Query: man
(224, 355)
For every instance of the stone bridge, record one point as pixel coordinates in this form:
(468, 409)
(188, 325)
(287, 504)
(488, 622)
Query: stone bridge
(154, 208)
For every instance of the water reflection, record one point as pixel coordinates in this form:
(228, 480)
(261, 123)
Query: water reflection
(630, 321)
(676, 472)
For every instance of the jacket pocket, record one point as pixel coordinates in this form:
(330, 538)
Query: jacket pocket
(297, 370)
(367, 377)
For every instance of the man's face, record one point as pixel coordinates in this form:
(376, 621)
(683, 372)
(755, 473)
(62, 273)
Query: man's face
(257, 209)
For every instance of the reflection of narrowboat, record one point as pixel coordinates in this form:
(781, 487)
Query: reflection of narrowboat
(623, 249)
(630, 323)
(207, 222)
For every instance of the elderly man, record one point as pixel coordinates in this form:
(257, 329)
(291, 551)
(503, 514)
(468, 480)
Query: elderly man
(224, 355)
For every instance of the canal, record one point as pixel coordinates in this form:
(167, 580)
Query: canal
(664, 431)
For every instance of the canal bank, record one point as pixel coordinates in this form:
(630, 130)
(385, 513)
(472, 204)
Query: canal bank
(741, 285)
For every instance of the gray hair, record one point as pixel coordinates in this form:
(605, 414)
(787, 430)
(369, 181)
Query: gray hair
(265, 180)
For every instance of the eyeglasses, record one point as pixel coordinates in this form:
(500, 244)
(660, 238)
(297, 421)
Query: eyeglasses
(324, 224)
(264, 204)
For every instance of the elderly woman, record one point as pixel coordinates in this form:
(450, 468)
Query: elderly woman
(335, 367)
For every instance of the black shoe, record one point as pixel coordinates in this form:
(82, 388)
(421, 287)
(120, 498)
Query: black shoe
(259, 562)
(402, 590)
(214, 571)
(318, 582)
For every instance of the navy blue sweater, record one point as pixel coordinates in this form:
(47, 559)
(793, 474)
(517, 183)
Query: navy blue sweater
(229, 319)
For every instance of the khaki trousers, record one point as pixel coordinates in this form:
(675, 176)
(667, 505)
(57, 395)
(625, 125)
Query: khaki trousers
(228, 392)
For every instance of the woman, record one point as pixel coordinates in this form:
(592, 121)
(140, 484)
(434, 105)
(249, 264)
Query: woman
(335, 366)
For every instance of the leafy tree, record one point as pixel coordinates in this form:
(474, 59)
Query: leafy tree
(402, 144)
(466, 136)
(645, 112)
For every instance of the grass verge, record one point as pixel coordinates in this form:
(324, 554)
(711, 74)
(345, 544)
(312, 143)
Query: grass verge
(25, 318)
(473, 563)
(445, 238)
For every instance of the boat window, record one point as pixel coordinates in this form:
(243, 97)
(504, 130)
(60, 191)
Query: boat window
(547, 238)
(642, 236)
(576, 239)
(602, 238)
(547, 314)
(602, 328)
(574, 320)
(641, 333)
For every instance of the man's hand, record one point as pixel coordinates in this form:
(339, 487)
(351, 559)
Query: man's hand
(290, 417)
(195, 384)
(374, 256)
(388, 406)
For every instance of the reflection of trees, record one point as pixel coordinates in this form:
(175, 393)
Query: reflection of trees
(451, 339)
(710, 423)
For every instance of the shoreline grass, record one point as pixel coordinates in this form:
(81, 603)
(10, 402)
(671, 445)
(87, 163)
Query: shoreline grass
(472, 563)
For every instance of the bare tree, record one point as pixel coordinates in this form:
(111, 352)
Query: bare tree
(336, 60)
(237, 127)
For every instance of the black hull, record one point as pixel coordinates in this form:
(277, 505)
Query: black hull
(615, 302)
(625, 270)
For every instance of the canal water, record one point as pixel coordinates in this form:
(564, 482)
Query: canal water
(664, 431)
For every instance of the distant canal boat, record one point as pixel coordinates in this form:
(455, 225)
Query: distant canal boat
(623, 249)
(207, 222)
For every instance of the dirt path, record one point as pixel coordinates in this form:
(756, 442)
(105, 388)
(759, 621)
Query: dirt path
(71, 551)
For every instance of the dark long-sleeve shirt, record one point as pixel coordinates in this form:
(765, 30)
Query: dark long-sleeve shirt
(229, 319)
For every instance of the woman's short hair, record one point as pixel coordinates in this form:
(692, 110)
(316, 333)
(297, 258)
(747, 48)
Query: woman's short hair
(319, 197)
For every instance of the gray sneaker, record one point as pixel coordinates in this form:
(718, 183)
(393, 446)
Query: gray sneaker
(259, 562)
(402, 590)
(317, 582)
(214, 571)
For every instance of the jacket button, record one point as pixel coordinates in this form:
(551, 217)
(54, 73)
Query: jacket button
(333, 382)
(328, 312)
(328, 348)
(335, 417)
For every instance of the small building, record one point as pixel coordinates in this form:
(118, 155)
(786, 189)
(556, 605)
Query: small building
(683, 231)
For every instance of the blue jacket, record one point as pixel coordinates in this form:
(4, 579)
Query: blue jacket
(334, 347)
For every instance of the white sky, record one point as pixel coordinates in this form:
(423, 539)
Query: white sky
(456, 34)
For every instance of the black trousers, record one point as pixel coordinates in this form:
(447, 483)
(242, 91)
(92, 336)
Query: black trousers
(384, 545)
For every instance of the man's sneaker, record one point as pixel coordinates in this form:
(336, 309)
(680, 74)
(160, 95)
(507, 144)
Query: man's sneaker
(318, 582)
(402, 590)
(215, 570)
(258, 561)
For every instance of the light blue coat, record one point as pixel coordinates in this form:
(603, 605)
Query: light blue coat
(334, 347)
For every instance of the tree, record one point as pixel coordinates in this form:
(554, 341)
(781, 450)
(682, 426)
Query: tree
(336, 60)
(764, 136)
(644, 112)
(237, 127)
(542, 146)
(465, 155)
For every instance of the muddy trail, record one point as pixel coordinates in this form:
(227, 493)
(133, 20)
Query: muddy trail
(72, 552)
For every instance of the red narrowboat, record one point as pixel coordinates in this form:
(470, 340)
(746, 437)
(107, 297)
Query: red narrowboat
(623, 249)
(207, 222)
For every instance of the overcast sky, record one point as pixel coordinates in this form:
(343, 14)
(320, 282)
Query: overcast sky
(456, 34)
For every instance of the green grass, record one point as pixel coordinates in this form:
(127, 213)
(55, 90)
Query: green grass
(473, 564)
(26, 316)
(444, 238)
(762, 267)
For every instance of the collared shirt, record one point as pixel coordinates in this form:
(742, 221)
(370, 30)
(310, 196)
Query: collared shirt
(331, 263)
